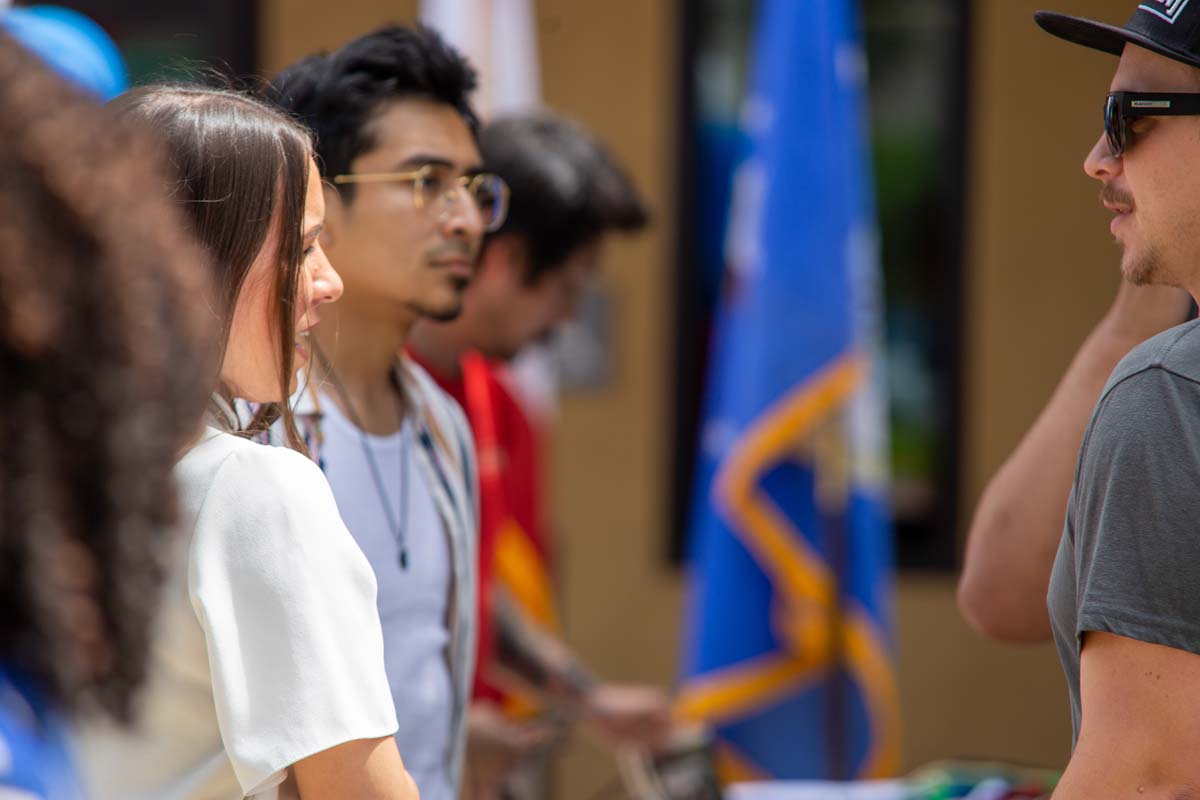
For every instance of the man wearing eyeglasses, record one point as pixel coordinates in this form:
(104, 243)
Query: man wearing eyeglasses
(1124, 592)
(407, 205)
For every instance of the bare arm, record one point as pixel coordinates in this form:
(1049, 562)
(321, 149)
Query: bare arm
(541, 661)
(1141, 723)
(366, 769)
(1019, 520)
(630, 714)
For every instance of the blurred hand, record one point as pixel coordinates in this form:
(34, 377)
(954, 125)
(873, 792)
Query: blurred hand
(496, 745)
(1140, 312)
(636, 716)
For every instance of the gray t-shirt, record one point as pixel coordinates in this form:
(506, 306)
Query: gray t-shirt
(414, 601)
(1129, 559)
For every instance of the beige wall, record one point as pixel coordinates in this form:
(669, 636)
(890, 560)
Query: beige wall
(1041, 269)
(1042, 265)
(1039, 272)
(290, 29)
(611, 66)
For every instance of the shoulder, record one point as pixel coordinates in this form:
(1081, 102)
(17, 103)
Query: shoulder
(430, 390)
(512, 406)
(447, 423)
(441, 405)
(271, 466)
(224, 456)
(269, 518)
(1146, 425)
(235, 478)
(1146, 414)
(1175, 350)
(1157, 383)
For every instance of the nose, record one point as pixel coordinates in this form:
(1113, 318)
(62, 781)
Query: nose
(327, 283)
(1100, 163)
(462, 216)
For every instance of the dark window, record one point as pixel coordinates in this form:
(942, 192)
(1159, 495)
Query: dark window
(170, 40)
(917, 55)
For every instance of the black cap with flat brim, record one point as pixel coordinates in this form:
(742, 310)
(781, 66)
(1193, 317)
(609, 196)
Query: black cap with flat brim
(1170, 28)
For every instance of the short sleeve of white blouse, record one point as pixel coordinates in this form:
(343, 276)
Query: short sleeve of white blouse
(286, 601)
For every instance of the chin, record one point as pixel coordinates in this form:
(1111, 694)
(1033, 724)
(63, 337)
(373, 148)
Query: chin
(445, 311)
(494, 352)
(1143, 269)
(442, 304)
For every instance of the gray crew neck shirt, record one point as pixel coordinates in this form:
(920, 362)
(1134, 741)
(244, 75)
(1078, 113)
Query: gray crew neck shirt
(1129, 559)
(414, 602)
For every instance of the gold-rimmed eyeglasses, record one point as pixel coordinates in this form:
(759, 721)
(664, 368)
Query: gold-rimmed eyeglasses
(435, 189)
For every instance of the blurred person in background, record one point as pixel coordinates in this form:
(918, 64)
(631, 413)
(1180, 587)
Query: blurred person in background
(266, 678)
(1123, 594)
(102, 353)
(74, 45)
(568, 197)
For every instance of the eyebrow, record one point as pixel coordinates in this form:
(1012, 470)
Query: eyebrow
(418, 160)
(314, 232)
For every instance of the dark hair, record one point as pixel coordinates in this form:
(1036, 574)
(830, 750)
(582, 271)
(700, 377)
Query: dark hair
(241, 165)
(103, 371)
(338, 94)
(567, 189)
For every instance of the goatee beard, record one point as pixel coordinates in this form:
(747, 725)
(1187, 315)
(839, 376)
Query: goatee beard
(1146, 270)
(437, 314)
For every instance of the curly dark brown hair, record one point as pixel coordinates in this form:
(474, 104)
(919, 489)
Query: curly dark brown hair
(105, 370)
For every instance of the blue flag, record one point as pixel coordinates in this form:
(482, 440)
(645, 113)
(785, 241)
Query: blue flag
(789, 655)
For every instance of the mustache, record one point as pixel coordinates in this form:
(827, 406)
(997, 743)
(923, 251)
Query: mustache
(1114, 196)
(453, 250)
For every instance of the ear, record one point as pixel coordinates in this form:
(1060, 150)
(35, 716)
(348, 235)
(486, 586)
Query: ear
(335, 214)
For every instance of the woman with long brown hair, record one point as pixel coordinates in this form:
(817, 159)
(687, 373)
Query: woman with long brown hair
(267, 677)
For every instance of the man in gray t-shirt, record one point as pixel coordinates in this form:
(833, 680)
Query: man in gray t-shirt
(1129, 559)
(1124, 595)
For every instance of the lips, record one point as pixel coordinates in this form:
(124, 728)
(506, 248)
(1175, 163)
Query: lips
(1116, 199)
(459, 268)
(1120, 212)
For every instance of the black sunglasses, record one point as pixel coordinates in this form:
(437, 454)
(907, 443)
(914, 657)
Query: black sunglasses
(1122, 107)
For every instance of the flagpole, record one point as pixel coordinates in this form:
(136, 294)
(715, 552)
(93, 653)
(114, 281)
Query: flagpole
(831, 465)
(837, 705)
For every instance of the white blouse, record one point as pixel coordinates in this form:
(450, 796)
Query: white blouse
(268, 647)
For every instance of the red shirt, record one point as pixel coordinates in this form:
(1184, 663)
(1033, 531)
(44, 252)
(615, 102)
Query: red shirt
(507, 447)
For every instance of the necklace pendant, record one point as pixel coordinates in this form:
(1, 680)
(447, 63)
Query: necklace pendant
(403, 557)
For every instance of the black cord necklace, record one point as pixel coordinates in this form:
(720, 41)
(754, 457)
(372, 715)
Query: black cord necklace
(397, 526)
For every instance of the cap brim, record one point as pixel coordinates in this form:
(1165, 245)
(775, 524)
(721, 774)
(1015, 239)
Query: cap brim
(1102, 36)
